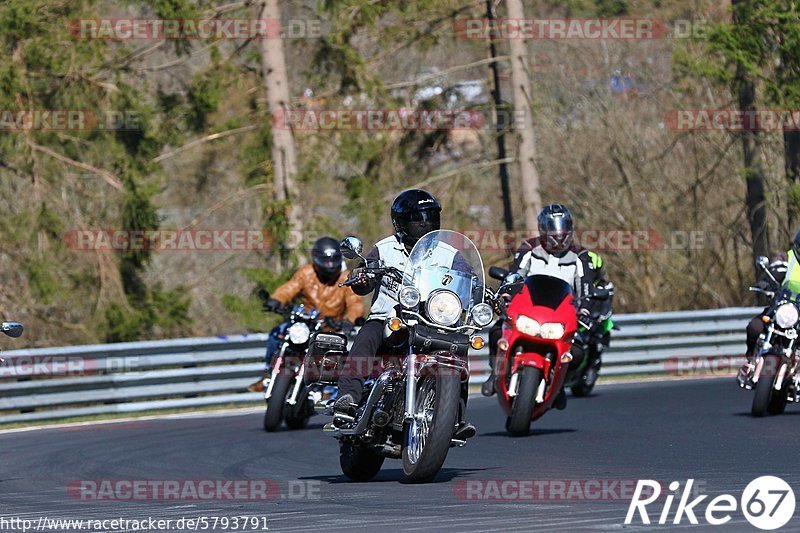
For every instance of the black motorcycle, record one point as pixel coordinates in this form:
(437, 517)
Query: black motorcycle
(287, 395)
(773, 371)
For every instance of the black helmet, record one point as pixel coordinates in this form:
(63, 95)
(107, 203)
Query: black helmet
(796, 245)
(327, 259)
(414, 213)
(555, 228)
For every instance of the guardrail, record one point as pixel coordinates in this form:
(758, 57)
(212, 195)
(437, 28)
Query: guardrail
(51, 383)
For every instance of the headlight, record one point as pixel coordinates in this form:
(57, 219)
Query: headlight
(444, 308)
(299, 333)
(527, 325)
(482, 315)
(786, 315)
(409, 297)
(552, 330)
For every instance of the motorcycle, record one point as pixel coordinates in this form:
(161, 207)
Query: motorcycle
(533, 355)
(287, 395)
(773, 371)
(413, 407)
(12, 329)
(592, 339)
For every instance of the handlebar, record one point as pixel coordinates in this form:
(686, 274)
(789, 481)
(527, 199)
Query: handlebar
(372, 273)
(769, 293)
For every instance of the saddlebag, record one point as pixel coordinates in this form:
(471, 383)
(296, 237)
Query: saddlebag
(326, 354)
(429, 340)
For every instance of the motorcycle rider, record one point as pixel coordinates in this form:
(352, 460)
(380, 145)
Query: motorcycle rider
(554, 253)
(414, 213)
(317, 284)
(784, 268)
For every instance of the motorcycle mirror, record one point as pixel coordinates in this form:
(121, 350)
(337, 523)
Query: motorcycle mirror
(762, 261)
(497, 272)
(351, 247)
(509, 281)
(12, 329)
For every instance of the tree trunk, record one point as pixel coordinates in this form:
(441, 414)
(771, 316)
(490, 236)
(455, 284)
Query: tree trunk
(791, 150)
(284, 159)
(754, 170)
(502, 122)
(523, 120)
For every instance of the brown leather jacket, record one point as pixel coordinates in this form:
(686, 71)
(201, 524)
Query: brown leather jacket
(332, 301)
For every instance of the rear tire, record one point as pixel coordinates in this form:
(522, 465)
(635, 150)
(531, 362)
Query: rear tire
(767, 400)
(274, 414)
(358, 462)
(519, 423)
(439, 397)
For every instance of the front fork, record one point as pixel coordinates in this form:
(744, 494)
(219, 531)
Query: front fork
(275, 369)
(411, 385)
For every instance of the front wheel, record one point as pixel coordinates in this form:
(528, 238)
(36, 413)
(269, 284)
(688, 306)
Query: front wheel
(358, 462)
(587, 380)
(767, 400)
(276, 402)
(428, 436)
(519, 423)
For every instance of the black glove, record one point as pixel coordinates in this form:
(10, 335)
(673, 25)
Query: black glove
(585, 319)
(346, 327)
(272, 305)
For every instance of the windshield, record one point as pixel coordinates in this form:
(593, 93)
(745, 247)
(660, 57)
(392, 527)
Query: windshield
(547, 291)
(446, 260)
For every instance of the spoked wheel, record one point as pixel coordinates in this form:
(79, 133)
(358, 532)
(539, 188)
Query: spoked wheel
(428, 436)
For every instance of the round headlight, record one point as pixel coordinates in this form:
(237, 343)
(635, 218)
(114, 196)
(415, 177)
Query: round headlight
(444, 308)
(409, 297)
(299, 333)
(527, 326)
(786, 315)
(552, 330)
(482, 314)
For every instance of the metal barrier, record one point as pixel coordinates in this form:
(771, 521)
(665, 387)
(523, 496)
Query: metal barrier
(74, 381)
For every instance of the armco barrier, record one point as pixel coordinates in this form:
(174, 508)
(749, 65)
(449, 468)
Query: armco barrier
(51, 383)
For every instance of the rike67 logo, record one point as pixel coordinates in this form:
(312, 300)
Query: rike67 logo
(767, 503)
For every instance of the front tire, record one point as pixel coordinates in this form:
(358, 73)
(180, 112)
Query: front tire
(587, 380)
(298, 415)
(427, 441)
(767, 400)
(274, 414)
(358, 462)
(519, 423)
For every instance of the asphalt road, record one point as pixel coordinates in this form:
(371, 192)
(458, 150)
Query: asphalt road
(666, 431)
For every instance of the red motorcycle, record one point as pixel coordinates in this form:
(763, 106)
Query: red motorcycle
(533, 355)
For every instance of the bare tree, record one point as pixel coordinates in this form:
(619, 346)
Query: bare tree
(276, 82)
(521, 83)
(755, 199)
